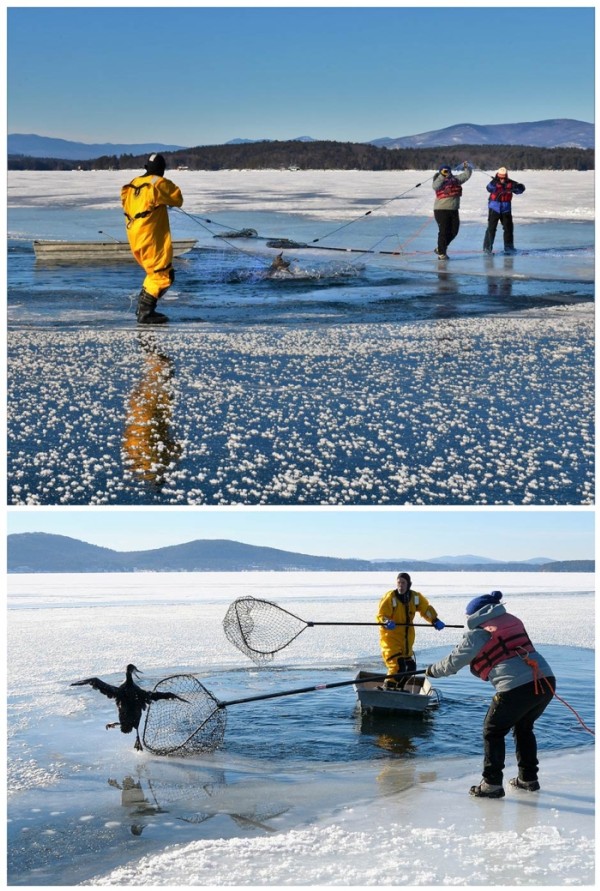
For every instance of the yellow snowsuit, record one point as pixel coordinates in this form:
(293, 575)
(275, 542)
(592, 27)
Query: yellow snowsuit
(399, 642)
(145, 200)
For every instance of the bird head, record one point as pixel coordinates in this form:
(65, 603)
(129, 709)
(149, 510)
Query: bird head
(131, 669)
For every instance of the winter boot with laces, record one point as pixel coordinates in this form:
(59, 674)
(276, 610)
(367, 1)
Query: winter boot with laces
(146, 310)
(487, 790)
(528, 785)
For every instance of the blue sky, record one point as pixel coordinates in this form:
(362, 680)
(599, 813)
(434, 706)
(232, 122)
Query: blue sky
(194, 75)
(502, 534)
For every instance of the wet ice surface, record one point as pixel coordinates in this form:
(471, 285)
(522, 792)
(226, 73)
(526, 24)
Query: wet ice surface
(357, 379)
(466, 411)
(294, 775)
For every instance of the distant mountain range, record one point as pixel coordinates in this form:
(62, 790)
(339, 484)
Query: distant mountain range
(44, 552)
(34, 146)
(469, 559)
(555, 133)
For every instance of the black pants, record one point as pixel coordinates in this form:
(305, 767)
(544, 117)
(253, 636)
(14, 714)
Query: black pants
(507, 224)
(448, 225)
(516, 710)
(406, 663)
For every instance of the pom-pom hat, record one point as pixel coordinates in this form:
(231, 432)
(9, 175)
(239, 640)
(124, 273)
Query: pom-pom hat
(483, 600)
(502, 171)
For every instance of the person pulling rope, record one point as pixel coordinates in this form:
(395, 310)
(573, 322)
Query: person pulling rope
(493, 646)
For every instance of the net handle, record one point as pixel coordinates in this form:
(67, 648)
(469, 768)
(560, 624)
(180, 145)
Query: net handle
(382, 624)
(373, 677)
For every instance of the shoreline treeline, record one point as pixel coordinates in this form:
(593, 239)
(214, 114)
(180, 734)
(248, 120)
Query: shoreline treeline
(329, 155)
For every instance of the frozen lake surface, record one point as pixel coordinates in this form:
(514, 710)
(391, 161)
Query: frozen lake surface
(361, 378)
(299, 774)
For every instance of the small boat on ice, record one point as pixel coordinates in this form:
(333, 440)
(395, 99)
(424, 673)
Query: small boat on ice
(90, 251)
(416, 694)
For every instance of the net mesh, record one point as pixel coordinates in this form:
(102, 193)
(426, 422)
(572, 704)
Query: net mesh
(260, 628)
(185, 728)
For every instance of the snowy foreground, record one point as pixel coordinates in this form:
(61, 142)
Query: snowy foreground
(434, 834)
(465, 411)
(387, 822)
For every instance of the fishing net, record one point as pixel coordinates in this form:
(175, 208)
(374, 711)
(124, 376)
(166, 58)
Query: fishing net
(185, 728)
(260, 628)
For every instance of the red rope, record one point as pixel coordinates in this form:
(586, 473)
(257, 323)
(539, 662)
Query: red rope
(537, 688)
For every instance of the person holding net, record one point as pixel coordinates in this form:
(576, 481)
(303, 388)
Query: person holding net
(395, 614)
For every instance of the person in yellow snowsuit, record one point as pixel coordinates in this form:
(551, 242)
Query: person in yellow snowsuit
(145, 200)
(396, 612)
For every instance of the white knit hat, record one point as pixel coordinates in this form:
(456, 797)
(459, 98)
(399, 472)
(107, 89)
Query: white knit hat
(502, 171)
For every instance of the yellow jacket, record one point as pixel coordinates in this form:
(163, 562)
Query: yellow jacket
(400, 640)
(145, 200)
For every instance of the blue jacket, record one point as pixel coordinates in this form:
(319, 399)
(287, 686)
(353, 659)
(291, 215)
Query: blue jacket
(506, 675)
(501, 192)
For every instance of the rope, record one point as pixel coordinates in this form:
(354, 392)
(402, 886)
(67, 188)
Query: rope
(356, 219)
(230, 243)
(537, 688)
(416, 234)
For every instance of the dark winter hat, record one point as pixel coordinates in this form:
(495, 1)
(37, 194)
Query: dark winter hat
(156, 164)
(445, 169)
(483, 600)
(405, 575)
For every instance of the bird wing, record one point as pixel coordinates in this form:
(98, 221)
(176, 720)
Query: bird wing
(153, 696)
(97, 684)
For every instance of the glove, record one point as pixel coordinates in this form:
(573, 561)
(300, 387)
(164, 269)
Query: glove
(439, 625)
(466, 165)
(390, 625)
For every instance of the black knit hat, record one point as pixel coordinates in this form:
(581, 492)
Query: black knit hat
(156, 165)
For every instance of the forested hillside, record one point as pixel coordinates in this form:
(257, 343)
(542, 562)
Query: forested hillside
(329, 155)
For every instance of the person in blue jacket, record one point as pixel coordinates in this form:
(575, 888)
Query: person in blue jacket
(501, 190)
(497, 648)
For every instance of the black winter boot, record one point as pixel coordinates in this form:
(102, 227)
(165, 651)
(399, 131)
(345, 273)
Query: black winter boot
(528, 785)
(487, 790)
(146, 310)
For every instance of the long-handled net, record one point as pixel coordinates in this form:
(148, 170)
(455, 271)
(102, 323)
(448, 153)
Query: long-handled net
(198, 725)
(261, 628)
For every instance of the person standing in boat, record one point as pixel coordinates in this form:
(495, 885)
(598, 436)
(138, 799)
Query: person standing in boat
(395, 614)
(145, 200)
(448, 190)
(501, 190)
(498, 649)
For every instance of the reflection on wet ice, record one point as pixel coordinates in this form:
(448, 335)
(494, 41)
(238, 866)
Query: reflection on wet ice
(184, 795)
(149, 447)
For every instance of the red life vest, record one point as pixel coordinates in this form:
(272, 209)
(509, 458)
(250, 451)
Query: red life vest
(450, 188)
(503, 191)
(508, 639)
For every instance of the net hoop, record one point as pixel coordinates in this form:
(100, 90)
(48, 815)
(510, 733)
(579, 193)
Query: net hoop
(193, 727)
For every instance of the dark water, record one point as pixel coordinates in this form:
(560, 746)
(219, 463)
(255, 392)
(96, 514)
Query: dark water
(226, 280)
(328, 725)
